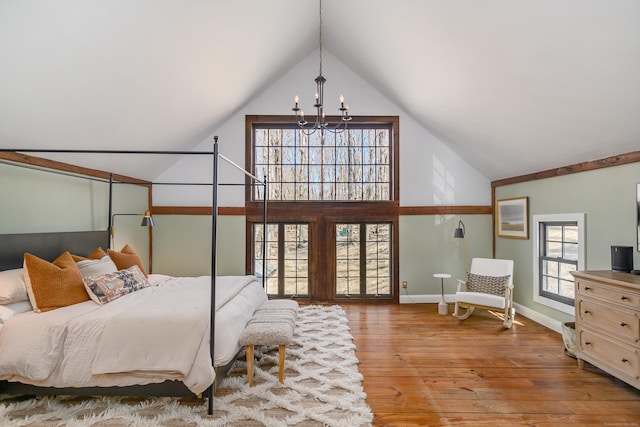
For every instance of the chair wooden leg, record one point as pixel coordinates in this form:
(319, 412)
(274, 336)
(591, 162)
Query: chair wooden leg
(281, 352)
(468, 310)
(509, 315)
(249, 351)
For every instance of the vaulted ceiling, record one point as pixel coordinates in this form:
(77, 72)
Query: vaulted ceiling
(512, 87)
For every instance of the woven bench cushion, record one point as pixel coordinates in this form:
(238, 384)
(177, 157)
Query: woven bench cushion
(273, 318)
(267, 333)
(279, 304)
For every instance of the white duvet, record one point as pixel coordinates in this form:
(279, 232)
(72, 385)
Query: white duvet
(155, 334)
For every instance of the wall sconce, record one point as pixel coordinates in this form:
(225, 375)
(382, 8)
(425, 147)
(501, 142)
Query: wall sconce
(459, 233)
(147, 221)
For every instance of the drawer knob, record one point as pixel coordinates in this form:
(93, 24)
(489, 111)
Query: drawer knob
(587, 288)
(587, 312)
(624, 360)
(587, 343)
(624, 298)
(623, 324)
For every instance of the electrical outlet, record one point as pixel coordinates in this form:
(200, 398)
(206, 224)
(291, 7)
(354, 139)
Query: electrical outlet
(404, 284)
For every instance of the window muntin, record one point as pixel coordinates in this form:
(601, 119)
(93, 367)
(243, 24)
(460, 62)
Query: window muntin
(354, 165)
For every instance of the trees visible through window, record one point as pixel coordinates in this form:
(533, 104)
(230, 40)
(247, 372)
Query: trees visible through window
(363, 259)
(332, 211)
(558, 259)
(351, 166)
(287, 258)
(559, 250)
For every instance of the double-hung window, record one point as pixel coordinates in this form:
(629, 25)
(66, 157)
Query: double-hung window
(559, 250)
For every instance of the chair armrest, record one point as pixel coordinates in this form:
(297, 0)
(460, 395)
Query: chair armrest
(461, 284)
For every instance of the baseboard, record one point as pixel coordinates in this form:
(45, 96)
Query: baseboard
(422, 299)
(540, 318)
(537, 317)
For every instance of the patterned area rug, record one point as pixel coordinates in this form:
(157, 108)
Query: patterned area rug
(322, 387)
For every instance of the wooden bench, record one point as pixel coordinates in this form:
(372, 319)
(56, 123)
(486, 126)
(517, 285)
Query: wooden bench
(273, 323)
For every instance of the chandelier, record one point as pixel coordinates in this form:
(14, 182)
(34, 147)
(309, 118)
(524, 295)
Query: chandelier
(320, 122)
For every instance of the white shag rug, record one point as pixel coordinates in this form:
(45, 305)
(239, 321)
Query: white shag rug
(322, 387)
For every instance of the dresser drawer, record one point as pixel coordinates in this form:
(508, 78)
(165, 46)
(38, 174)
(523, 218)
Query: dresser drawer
(622, 358)
(609, 319)
(620, 296)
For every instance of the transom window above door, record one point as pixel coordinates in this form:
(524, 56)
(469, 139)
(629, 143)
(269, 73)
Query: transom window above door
(354, 165)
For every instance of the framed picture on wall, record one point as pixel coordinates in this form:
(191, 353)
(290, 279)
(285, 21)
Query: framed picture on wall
(512, 218)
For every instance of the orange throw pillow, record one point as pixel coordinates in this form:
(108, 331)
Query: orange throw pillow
(126, 258)
(53, 285)
(98, 253)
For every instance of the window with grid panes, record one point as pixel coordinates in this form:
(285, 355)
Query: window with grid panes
(287, 258)
(350, 166)
(363, 259)
(558, 258)
(310, 178)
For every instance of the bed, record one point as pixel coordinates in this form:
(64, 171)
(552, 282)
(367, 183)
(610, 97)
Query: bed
(154, 341)
(136, 339)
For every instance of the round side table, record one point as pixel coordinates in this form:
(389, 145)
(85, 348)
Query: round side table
(443, 308)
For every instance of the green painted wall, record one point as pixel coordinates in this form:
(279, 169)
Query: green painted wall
(427, 246)
(36, 201)
(182, 245)
(608, 199)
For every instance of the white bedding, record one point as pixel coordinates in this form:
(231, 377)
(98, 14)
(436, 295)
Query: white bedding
(152, 335)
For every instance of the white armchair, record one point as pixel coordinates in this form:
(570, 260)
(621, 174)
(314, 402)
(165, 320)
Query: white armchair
(489, 285)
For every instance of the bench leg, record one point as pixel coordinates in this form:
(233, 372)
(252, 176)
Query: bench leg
(281, 351)
(249, 351)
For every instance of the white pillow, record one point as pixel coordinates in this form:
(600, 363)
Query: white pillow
(97, 267)
(12, 286)
(9, 310)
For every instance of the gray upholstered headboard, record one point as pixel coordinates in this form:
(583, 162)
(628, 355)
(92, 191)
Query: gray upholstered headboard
(48, 245)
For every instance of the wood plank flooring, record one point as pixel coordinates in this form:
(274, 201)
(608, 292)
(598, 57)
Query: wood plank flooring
(425, 369)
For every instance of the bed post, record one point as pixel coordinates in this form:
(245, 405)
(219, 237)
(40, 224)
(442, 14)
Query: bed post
(264, 233)
(110, 225)
(214, 228)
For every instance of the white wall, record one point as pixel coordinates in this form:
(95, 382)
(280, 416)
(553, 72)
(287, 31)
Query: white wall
(430, 173)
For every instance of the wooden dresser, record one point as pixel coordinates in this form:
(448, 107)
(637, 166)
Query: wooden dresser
(608, 323)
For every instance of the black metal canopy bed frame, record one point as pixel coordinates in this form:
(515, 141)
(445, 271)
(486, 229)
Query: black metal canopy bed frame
(49, 245)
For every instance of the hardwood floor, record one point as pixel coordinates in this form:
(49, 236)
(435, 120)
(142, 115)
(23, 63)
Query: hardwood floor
(425, 369)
